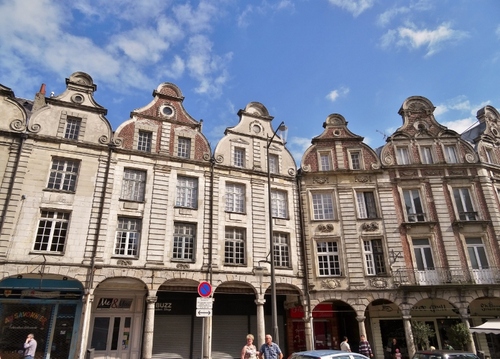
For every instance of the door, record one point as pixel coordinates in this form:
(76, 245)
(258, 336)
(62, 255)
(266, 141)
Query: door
(111, 336)
(481, 272)
(426, 273)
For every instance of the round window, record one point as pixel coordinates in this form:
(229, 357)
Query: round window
(77, 98)
(167, 111)
(256, 128)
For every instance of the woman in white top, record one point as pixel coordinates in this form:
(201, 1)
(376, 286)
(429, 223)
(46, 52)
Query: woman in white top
(249, 351)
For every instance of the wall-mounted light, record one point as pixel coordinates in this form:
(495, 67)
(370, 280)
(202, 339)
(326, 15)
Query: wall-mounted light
(19, 276)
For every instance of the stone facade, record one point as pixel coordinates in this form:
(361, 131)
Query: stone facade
(106, 236)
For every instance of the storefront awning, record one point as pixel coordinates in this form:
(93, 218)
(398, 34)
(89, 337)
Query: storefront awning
(492, 326)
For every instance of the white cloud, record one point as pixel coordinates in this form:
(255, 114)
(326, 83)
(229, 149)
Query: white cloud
(395, 12)
(460, 125)
(176, 69)
(297, 147)
(413, 38)
(355, 7)
(335, 94)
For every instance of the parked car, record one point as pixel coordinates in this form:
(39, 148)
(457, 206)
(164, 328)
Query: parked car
(326, 354)
(444, 354)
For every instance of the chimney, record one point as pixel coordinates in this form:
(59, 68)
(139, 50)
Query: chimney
(39, 99)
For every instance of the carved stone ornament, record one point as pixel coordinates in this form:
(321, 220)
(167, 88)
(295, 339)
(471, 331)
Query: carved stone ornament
(320, 180)
(118, 142)
(408, 173)
(378, 283)
(18, 125)
(330, 284)
(324, 228)
(388, 160)
(363, 178)
(124, 262)
(470, 158)
(291, 171)
(306, 168)
(370, 227)
(103, 139)
(182, 266)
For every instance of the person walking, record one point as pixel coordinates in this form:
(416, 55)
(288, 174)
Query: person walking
(270, 350)
(345, 345)
(394, 346)
(364, 347)
(249, 351)
(30, 347)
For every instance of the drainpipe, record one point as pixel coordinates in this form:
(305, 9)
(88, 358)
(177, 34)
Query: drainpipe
(89, 291)
(309, 318)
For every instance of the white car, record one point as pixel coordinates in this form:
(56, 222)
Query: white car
(326, 354)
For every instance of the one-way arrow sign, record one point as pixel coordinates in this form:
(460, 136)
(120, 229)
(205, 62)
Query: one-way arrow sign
(203, 312)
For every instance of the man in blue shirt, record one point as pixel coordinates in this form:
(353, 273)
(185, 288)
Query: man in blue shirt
(30, 347)
(270, 350)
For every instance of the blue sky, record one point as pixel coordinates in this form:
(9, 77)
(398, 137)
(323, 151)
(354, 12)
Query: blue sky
(302, 59)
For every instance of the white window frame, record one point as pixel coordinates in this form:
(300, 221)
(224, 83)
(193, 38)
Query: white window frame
(235, 197)
(374, 257)
(144, 141)
(184, 242)
(186, 192)
(402, 155)
(413, 205)
(128, 236)
(328, 257)
(63, 174)
(490, 156)
(450, 154)
(477, 253)
(183, 147)
(426, 155)
(279, 203)
(52, 231)
(274, 164)
(281, 244)
(325, 161)
(464, 204)
(239, 157)
(133, 185)
(355, 160)
(367, 207)
(235, 246)
(72, 129)
(424, 259)
(323, 207)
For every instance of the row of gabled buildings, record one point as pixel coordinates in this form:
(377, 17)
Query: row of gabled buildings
(106, 235)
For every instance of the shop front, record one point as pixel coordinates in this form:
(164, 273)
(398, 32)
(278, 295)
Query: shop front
(48, 308)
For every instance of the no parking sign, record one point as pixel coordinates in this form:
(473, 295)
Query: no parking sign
(204, 289)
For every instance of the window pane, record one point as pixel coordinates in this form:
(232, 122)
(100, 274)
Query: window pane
(281, 250)
(234, 252)
(144, 141)
(72, 128)
(273, 163)
(63, 174)
(235, 198)
(355, 160)
(127, 236)
(100, 333)
(279, 204)
(187, 192)
(184, 147)
(133, 186)
(239, 157)
(184, 238)
(322, 206)
(52, 231)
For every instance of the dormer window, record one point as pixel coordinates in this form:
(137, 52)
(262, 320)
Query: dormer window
(450, 154)
(426, 155)
(184, 147)
(144, 141)
(402, 156)
(72, 130)
(325, 163)
(355, 159)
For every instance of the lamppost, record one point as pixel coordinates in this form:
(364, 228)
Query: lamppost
(274, 314)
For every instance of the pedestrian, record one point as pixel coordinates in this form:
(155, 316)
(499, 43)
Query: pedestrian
(364, 347)
(29, 347)
(249, 351)
(345, 345)
(394, 346)
(447, 345)
(397, 355)
(270, 350)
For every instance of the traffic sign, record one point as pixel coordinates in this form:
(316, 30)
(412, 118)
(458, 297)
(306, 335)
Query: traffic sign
(204, 289)
(204, 303)
(203, 312)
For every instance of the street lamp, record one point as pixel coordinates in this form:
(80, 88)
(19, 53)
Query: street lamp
(282, 129)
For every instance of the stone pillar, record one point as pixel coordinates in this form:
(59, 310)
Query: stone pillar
(308, 330)
(409, 335)
(465, 319)
(149, 326)
(361, 325)
(87, 312)
(261, 322)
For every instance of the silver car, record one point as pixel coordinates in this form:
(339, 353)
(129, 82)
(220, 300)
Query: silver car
(326, 354)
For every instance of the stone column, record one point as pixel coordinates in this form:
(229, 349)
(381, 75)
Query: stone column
(361, 325)
(465, 319)
(87, 312)
(409, 335)
(261, 322)
(308, 330)
(149, 326)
